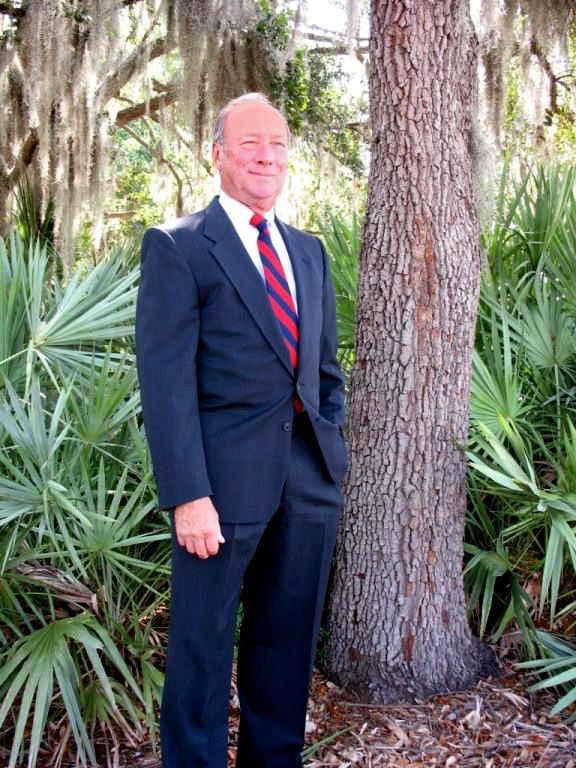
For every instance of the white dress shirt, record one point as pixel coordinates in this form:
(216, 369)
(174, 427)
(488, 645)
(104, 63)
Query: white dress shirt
(240, 215)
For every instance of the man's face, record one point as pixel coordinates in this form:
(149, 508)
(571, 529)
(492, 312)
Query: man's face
(254, 159)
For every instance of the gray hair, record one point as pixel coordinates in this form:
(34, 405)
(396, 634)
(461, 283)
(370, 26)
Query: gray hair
(258, 98)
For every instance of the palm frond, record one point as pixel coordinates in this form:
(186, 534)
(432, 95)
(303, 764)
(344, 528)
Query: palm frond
(557, 668)
(343, 242)
(43, 662)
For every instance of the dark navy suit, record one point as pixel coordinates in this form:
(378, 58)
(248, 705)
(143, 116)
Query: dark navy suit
(218, 394)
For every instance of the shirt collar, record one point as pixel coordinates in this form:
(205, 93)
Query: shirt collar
(238, 212)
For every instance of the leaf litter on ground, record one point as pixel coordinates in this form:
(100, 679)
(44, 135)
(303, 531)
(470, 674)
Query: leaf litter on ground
(496, 724)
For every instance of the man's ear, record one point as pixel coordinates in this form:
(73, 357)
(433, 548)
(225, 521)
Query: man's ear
(216, 154)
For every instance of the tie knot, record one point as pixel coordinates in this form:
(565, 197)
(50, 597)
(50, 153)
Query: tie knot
(259, 222)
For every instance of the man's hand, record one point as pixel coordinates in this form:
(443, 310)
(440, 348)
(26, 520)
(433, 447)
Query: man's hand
(197, 527)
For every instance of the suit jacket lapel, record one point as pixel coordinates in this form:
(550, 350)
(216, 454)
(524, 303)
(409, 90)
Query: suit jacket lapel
(230, 253)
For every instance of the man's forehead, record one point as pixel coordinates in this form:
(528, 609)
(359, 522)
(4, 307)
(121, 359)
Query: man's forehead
(252, 131)
(256, 119)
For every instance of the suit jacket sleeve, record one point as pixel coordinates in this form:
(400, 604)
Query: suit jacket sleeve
(167, 327)
(331, 379)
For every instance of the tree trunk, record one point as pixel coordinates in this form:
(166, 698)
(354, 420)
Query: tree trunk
(397, 624)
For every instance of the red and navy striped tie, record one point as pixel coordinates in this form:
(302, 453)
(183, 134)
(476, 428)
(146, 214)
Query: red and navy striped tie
(278, 288)
(279, 293)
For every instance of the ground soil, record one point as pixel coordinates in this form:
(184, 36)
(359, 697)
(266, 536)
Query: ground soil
(496, 724)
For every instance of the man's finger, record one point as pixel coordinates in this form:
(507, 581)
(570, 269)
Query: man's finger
(189, 544)
(212, 545)
(201, 550)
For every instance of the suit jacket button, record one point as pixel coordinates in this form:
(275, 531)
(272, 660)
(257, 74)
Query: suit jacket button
(287, 426)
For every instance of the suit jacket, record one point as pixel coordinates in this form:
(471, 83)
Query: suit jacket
(216, 381)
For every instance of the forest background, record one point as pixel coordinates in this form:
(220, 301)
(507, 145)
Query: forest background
(106, 130)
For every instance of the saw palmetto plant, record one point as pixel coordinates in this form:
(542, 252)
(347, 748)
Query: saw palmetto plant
(521, 533)
(83, 551)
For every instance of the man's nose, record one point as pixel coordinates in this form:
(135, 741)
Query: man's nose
(265, 153)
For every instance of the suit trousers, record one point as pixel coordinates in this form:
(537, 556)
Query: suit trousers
(281, 567)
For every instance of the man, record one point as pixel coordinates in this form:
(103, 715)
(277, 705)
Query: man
(243, 406)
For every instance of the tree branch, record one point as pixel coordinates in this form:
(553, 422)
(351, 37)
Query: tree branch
(186, 141)
(536, 50)
(333, 39)
(120, 214)
(150, 107)
(340, 50)
(156, 151)
(361, 128)
(114, 83)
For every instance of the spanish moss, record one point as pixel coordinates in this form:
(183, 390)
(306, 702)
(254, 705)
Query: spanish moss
(63, 65)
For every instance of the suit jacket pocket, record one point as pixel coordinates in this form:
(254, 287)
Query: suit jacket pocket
(331, 442)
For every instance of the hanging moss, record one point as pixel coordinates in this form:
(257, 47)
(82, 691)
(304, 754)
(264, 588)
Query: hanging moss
(535, 33)
(62, 64)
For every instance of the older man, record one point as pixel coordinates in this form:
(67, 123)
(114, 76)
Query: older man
(242, 398)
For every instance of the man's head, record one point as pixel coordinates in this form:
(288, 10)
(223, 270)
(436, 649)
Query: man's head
(250, 151)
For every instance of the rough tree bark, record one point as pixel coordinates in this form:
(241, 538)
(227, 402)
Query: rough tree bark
(397, 624)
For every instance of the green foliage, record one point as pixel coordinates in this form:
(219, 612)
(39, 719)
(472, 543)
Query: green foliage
(310, 88)
(274, 28)
(134, 169)
(32, 223)
(52, 325)
(309, 752)
(557, 668)
(330, 113)
(342, 243)
(51, 657)
(83, 554)
(521, 532)
(297, 91)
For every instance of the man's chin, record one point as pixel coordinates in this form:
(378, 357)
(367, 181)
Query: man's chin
(264, 191)
(265, 200)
